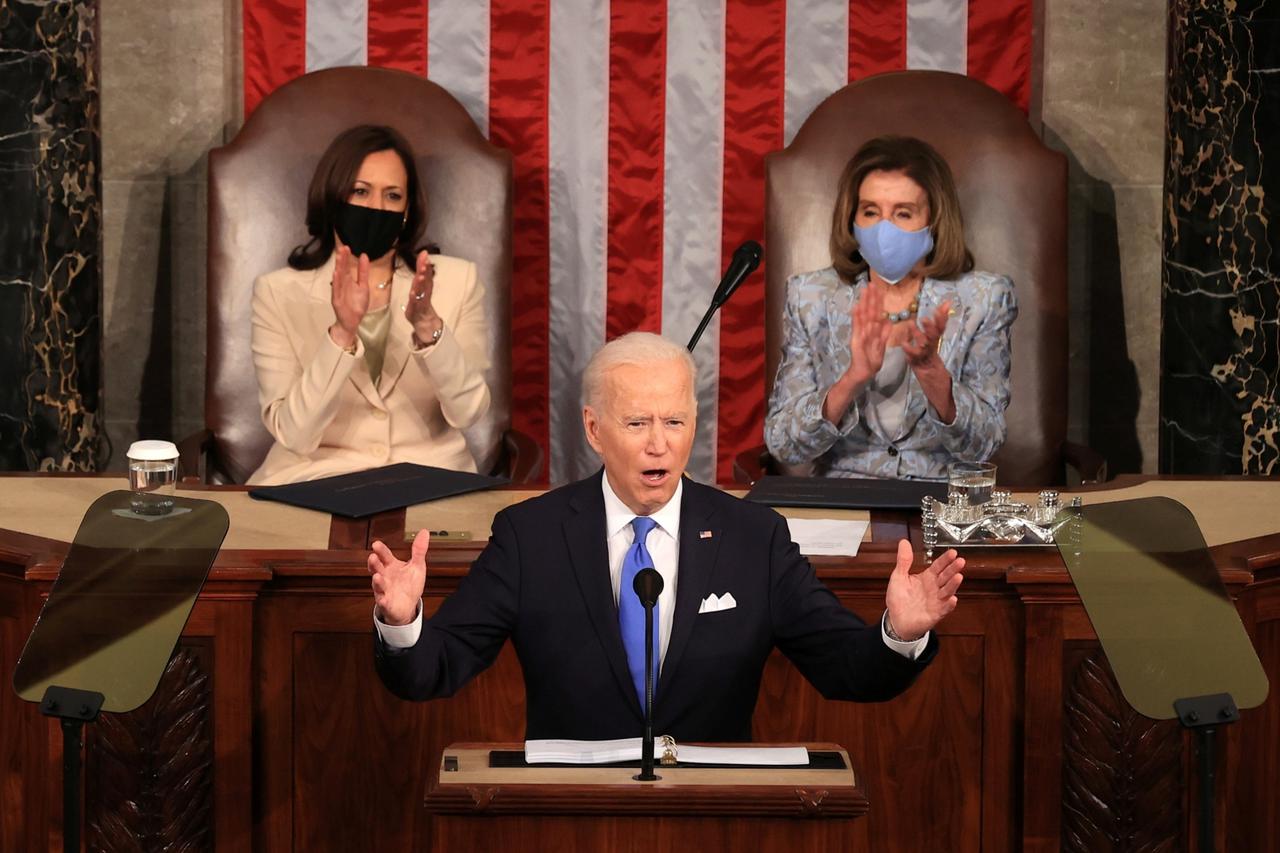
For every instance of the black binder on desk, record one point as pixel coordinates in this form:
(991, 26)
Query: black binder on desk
(377, 489)
(844, 492)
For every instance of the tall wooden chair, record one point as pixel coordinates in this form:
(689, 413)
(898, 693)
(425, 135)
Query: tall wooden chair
(1013, 192)
(257, 203)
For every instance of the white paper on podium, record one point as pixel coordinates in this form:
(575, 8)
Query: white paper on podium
(827, 537)
(628, 749)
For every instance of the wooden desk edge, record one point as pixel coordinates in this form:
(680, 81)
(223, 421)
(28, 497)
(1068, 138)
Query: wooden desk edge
(819, 799)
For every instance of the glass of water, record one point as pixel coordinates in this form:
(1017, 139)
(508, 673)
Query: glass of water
(153, 472)
(973, 480)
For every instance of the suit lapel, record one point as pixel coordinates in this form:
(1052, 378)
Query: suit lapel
(697, 567)
(588, 546)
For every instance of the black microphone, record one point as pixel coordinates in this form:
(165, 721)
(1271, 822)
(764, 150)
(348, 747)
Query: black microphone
(648, 586)
(744, 262)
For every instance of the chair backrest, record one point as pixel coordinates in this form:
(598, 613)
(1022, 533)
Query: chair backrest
(1013, 193)
(257, 205)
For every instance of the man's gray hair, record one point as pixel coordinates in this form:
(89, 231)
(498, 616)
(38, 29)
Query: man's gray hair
(636, 348)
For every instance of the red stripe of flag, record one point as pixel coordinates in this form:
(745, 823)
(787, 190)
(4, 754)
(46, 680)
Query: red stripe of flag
(275, 46)
(637, 104)
(398, 35)
(877, 37)
(754, 83)
(519, 63)
(1000, 47)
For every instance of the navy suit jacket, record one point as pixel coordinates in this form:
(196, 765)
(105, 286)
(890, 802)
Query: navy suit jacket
(543, 581)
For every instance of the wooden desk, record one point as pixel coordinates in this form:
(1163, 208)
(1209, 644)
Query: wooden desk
(271, 731)
(536, 809)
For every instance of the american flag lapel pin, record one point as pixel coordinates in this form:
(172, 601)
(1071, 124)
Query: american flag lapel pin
(704, 534)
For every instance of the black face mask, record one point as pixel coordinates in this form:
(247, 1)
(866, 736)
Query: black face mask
(367, 230)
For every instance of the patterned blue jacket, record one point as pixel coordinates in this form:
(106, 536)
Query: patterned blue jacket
(815, 353)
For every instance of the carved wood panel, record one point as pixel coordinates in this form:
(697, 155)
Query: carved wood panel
(149, 773)
(1123, 780)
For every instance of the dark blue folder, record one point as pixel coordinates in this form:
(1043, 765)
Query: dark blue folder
(377, 489)
(844, 492)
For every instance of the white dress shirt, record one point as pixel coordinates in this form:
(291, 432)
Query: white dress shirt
(663, 543)
(664, 546)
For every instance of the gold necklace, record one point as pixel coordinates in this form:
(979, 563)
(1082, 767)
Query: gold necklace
(389, 279)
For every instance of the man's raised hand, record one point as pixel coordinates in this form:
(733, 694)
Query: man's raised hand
(919, 601)
(398, 585)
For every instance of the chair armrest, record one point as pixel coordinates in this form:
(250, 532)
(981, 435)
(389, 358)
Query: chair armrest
(193, 456)
(1085, 461)
(750, 465)
(521, 460)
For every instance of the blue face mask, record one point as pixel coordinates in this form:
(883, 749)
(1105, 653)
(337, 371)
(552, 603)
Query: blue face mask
(890, 251)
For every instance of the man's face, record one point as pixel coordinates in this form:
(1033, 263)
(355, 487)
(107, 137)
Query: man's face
(643, 431)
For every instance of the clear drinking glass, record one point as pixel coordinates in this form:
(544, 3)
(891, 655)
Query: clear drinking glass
(153, 474)
(974, 480)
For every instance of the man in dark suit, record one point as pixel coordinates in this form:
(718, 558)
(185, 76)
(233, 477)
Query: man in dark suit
(556, 580)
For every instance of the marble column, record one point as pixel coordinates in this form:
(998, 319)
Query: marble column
(50, 272)
(1220, 349)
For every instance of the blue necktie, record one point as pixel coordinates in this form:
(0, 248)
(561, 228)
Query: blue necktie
(631, 611)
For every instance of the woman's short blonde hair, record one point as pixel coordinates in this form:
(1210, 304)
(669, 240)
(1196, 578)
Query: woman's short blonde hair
(919, 161)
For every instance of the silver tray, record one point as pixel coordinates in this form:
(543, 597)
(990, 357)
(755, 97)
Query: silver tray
(955, 524)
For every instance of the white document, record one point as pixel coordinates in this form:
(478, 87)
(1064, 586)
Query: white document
(827, 537)
(628, 749)
(774, 756)
(583, 751)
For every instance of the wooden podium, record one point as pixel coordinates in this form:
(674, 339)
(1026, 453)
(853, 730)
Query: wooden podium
(554, 808)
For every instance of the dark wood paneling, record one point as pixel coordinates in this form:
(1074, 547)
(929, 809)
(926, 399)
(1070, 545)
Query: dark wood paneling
(310, 752)
(1256, 818)
(23, 776)
(924, 745)
(334, 738)
(650, 835)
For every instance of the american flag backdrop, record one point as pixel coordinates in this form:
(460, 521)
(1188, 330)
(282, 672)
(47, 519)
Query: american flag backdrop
(638, 129)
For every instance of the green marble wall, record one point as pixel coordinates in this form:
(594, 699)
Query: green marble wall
(50, 274)
(1220, 347)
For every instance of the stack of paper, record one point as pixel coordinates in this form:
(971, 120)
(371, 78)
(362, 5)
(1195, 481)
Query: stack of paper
(628, 749)
(827, 537)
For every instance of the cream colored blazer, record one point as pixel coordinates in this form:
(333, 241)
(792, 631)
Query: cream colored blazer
(320, 404)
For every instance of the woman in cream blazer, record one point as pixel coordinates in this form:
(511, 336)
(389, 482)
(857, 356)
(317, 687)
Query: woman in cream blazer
(325, 399)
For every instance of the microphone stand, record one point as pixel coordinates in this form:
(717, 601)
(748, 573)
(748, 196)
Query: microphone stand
(745, 260)
(702, 327)
(646, 746)
(648, 586)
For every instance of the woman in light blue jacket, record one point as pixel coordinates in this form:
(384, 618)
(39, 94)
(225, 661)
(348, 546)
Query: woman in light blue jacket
(895, 361)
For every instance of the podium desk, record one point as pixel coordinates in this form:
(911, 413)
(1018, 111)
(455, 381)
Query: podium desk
(551, 808)
(1015, 738)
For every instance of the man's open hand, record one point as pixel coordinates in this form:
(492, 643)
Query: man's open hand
(919, 601)
(398, 585)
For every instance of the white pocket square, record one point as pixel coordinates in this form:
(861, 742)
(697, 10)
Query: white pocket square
(714, 603)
